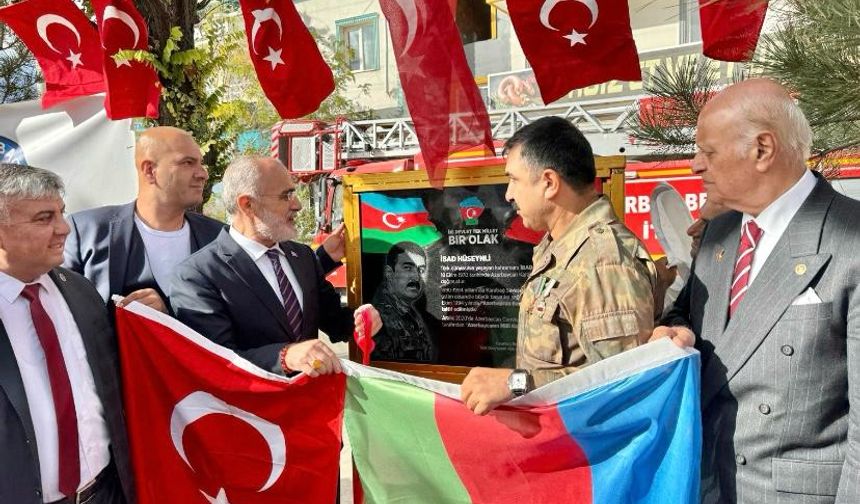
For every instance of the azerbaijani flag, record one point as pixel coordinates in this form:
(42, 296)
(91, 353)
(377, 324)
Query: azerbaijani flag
(386, 221)
(626, 429)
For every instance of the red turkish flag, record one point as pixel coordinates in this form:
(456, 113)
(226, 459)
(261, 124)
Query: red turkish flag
(64, 43)
(289, 66)
(446, 107)
(571, 45)
(133, 88)
(207, 426)
(730, 28)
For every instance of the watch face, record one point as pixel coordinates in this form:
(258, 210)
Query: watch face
(517, 382)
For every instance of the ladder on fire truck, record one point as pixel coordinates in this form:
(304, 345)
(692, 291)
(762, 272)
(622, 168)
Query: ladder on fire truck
(313, 146)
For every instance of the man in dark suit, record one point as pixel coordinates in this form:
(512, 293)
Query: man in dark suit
(62, 432)
(773, 304)
(255, 291)
(132, 249)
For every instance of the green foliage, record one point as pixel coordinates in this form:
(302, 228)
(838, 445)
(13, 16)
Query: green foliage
(669, 126)
(19, 76)
(814, 51)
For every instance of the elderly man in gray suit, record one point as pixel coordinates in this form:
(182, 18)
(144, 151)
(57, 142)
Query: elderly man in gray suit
(62, 430)
(773, 304)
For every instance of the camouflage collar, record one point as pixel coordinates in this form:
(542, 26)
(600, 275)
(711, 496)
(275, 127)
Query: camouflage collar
(562, 250)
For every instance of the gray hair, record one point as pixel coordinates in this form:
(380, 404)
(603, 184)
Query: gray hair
(19, 182)
(241, 177)
(781, 115)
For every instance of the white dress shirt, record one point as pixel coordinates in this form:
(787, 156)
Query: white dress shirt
(774, 219)
(92, 430)
(257, 251)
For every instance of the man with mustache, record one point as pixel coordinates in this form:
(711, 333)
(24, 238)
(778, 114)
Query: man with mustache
(256, 291)
(404, 336)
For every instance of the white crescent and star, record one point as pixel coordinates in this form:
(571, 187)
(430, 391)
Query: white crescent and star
(575, 37)
(198, 404)
(398, 220)
(112, 12)
(260, 17)
(46, 20)
(471, 213)
(410, 13)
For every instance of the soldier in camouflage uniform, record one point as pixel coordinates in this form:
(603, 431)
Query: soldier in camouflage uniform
(590, 294)
(404, 335)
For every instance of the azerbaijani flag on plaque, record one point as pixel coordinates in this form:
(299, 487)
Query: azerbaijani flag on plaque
(387, 220)
(626, 429)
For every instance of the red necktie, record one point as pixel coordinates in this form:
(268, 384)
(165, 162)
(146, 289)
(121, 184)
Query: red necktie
(750, 236)
(61, 390)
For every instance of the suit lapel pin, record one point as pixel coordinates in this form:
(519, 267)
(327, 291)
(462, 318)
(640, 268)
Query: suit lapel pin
(719, 255)
(293, 253)
(800, 269)
(61, 276)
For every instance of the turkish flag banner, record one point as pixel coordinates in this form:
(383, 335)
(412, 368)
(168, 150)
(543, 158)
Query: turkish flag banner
(446, 107)
(133, 88)
(64, 43)
(730, 28)
(207, 426)
(571, 45)
(291, 70)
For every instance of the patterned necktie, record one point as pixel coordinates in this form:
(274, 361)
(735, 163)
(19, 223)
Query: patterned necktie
(291, 302)
(750, 236)
(61, 390)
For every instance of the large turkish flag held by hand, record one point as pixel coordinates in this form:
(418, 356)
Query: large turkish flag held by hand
(576, 43)
(291, 70)
(208, 426)
(64, 43)
(133, 88)
(446, 107)
(731, 28)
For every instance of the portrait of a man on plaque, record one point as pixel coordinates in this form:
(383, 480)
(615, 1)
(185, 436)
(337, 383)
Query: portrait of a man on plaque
(444, 269)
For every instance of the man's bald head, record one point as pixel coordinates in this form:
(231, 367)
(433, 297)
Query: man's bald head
(170, 168)
(753, 141)
(759, 105)
(153, 142)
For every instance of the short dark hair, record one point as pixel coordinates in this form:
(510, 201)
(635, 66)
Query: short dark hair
(402, 248)
(553, 142)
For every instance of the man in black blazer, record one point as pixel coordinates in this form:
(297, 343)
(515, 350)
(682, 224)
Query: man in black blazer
(255, 291)
(131, 249)
(62, 431)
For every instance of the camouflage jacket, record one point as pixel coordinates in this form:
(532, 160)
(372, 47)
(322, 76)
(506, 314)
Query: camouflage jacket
(590, 295)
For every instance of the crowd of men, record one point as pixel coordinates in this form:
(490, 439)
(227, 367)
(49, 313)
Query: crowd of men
(772, 302)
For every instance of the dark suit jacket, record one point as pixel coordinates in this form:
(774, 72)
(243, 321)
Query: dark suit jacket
(781, 379)
(105, 247)
(20, 480)
(220, 293)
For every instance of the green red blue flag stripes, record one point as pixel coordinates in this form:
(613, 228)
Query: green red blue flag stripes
(386, 220)
(626, 429)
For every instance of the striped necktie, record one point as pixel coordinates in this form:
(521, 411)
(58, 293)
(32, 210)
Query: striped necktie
(750, 236)
(291, 302)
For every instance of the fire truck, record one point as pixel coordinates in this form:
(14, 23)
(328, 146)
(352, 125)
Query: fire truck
(320, 154)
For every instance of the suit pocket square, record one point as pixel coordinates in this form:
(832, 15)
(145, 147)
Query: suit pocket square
(807, 298)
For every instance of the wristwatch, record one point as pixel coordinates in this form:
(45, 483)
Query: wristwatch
(519, 382)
